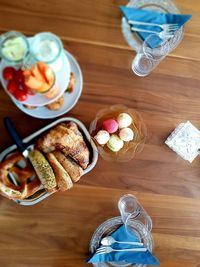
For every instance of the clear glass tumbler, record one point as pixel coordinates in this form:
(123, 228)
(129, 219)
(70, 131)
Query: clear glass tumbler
(48, 47)
(131, 209)
(14, 47)
(148, 58)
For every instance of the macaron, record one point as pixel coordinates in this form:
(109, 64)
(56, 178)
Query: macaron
(102, 137)
(124, 120)
(115, 143)
(110, 125)
(126, 134)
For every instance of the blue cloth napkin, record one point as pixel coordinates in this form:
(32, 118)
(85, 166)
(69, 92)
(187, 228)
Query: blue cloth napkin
(153, 17)
(135, 257)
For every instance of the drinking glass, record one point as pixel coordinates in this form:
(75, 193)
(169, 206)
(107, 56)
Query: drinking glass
(148, 58)
(14, 47)
(47, 47)
(131, 209)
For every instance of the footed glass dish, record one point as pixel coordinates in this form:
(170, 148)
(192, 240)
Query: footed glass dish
(131, 148)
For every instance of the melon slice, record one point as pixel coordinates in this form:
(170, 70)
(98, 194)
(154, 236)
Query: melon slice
(44, 88)
(33, 83)
(39, 78)
(27, 73)
(37, 74)
(46, 72)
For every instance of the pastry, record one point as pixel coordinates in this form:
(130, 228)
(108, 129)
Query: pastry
(56, 104)
(43, 170)
(30, 107)
(26, 185)
(72, 82)
(72, 168)
(67, 138)
(63, 179)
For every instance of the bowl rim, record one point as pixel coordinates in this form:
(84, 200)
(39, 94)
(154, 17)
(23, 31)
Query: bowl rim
(124, 108)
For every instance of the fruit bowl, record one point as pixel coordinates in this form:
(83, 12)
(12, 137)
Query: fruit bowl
(62, 78)
(129, 149)
(19, 52)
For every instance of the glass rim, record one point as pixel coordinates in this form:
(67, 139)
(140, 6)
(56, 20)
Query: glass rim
(57, 40)
(8, 35)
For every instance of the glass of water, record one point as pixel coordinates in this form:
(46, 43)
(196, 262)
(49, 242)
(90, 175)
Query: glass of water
(132, 210)
(147, 57)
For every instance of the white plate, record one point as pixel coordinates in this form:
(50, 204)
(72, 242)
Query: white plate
(69, 98)
(62, 81)
(163, 6)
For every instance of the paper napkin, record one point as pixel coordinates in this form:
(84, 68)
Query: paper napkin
(153, 17)
(185, 141)
(121, 234)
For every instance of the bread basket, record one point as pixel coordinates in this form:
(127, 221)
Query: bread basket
(42, 194)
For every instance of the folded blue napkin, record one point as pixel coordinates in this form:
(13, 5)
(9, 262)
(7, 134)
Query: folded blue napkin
(152, 17)
(134, 257)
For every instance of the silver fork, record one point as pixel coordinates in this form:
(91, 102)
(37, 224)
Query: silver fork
(163, 34)
(165, 27)
(104, 250)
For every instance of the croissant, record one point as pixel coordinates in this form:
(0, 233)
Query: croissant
(67, 138)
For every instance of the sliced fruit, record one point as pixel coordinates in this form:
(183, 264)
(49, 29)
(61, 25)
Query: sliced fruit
(37, 74)
(44, 88)
(49, 76)
(46, 72)
(27, 73)
(12, 86)
(39, 78)
(8, 73)
(33, 83)
(20, 95)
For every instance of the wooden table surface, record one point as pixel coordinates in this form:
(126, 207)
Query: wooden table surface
(57, 231)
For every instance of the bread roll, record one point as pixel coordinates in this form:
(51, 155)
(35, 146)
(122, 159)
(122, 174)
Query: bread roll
(62, 177)
(43, 170)
(72, 168)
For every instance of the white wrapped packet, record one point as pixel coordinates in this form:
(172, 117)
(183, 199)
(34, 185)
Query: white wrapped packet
(185, 141)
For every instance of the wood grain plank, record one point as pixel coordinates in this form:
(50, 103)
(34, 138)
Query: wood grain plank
(57, 231)
(53, 233)
(102, 17)
(165, 99)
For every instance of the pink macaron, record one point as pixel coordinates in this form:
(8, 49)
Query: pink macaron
(110, 125)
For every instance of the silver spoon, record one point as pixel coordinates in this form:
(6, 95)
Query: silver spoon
(109, 240)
